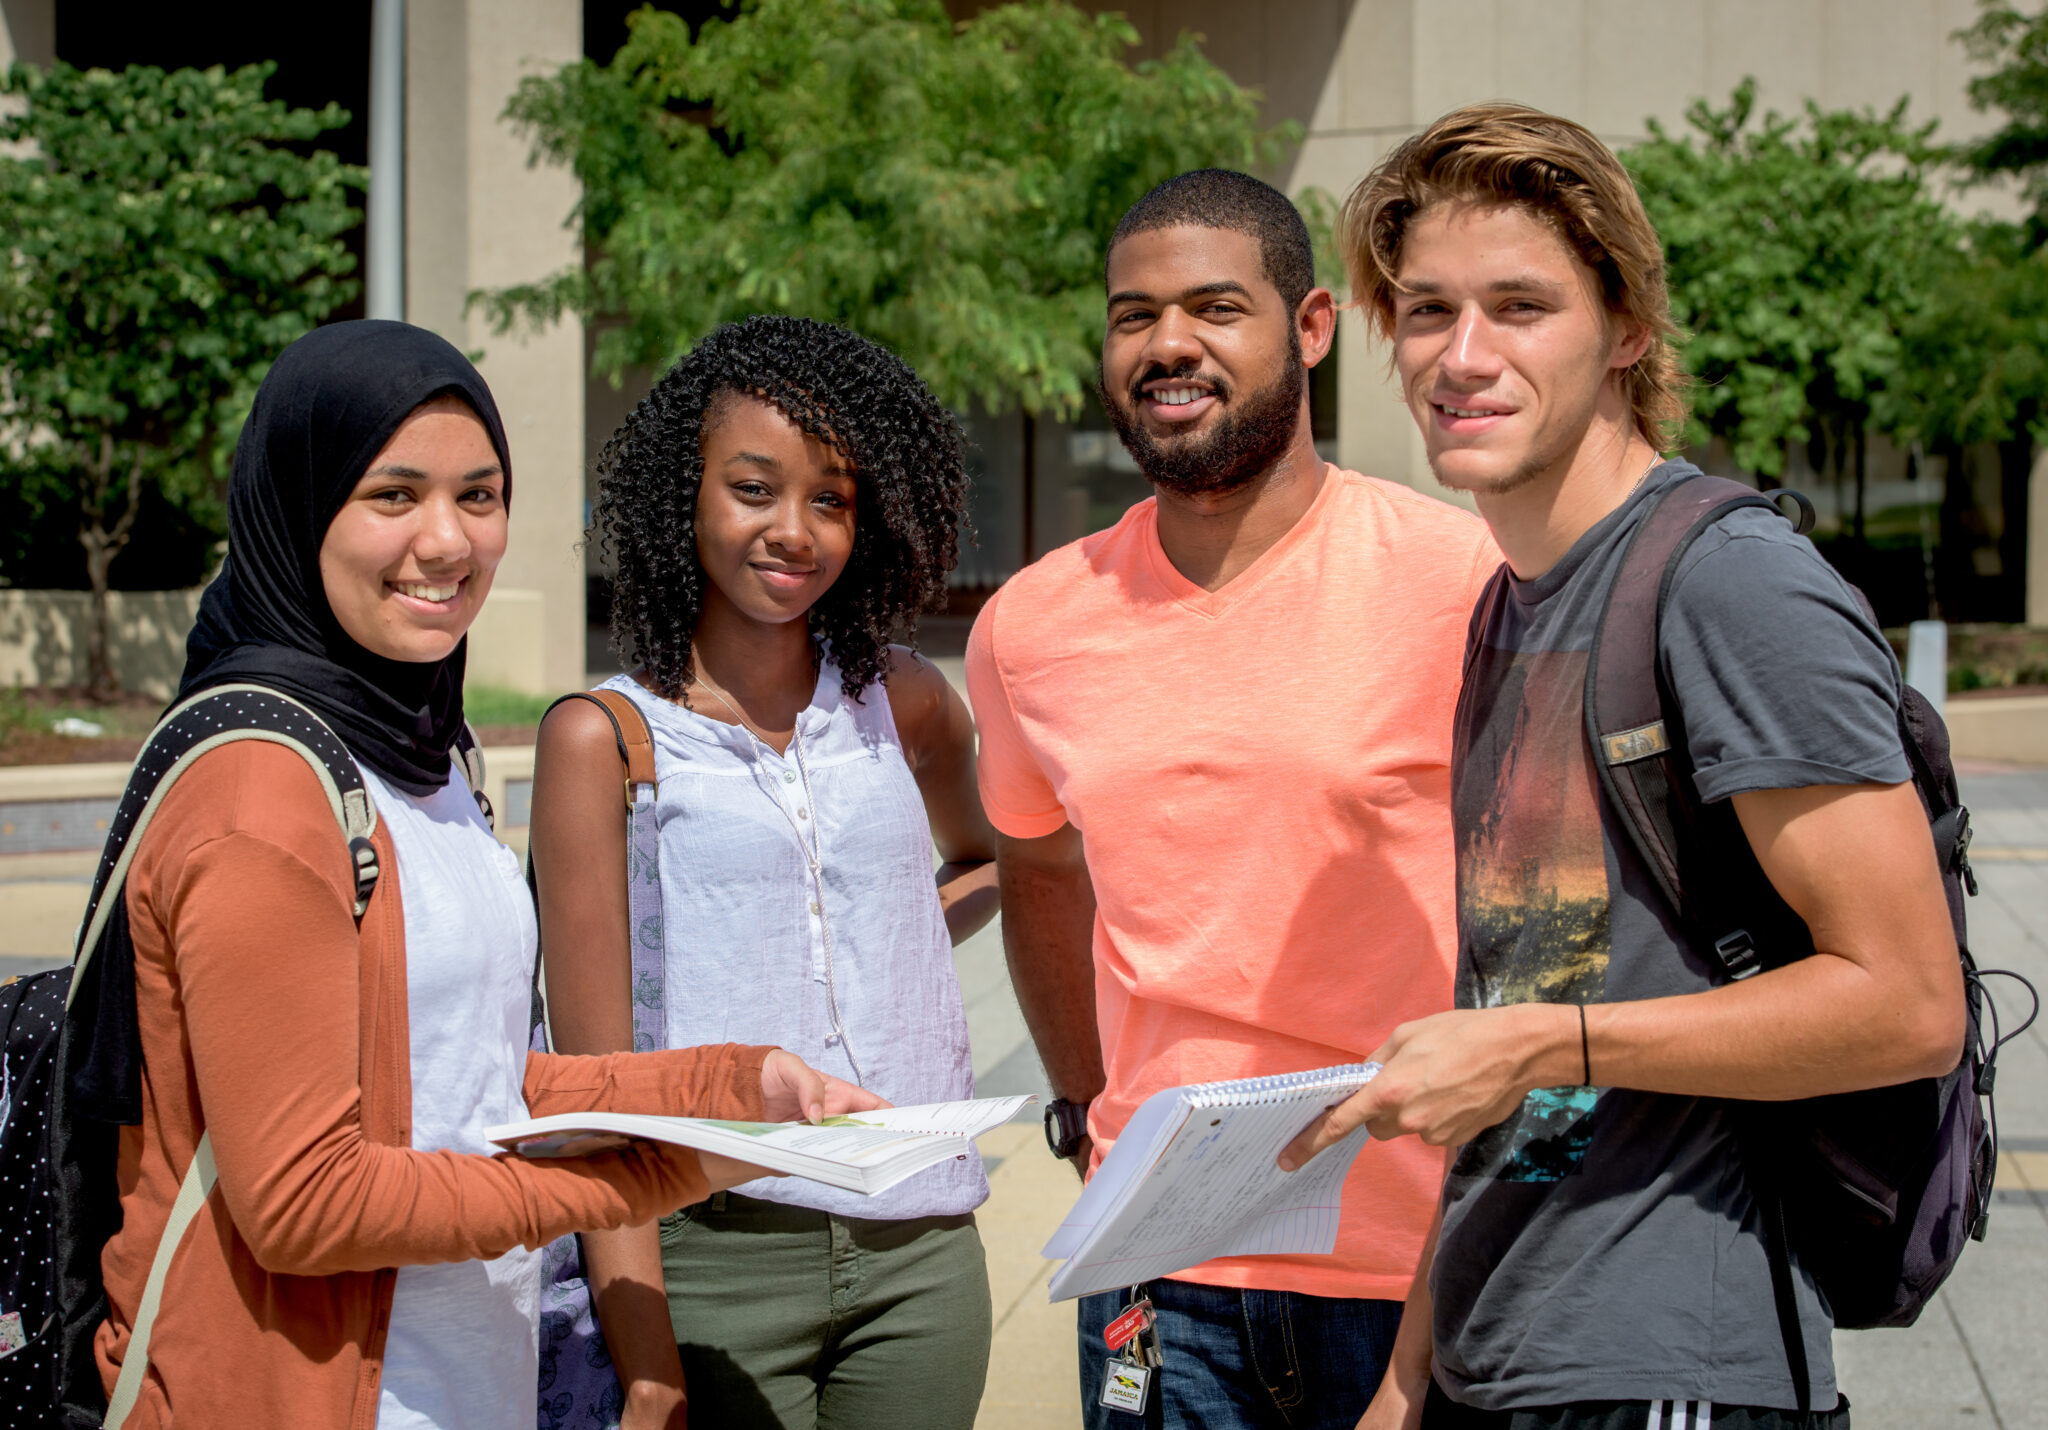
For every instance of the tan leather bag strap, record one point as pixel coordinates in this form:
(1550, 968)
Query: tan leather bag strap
(636, 741)
(629, 729)
(643, 857)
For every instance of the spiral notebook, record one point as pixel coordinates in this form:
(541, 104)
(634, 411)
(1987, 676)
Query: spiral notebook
(1194, 1176)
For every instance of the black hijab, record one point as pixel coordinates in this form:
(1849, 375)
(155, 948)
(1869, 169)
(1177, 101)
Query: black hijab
(330, 403)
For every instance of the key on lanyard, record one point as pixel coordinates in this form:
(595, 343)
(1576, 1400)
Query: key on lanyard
(1127, 1378)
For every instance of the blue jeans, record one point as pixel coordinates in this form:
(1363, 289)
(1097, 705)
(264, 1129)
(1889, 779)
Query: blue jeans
(1237, 1359)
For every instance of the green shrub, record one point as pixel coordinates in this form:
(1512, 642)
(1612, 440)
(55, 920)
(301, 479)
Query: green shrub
(494, 705)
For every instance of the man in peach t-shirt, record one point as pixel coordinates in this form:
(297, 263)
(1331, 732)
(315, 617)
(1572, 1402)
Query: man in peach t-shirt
(1215, 743)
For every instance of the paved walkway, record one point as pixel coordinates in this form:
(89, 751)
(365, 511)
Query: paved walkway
(41, 898)
(1979, 1356)
(1978, 1360)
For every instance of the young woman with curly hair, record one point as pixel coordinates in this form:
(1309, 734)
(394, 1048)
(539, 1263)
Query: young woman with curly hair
(785, 498)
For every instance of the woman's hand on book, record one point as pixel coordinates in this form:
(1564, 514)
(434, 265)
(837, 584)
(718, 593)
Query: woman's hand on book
(794, 1091)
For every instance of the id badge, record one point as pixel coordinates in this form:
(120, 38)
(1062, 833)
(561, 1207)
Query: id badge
(1125, 1384)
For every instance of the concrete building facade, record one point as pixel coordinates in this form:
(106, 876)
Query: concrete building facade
(478, 216)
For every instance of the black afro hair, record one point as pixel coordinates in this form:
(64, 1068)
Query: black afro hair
(910, 481)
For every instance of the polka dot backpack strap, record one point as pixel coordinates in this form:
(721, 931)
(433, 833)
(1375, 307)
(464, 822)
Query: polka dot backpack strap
(63, 1097)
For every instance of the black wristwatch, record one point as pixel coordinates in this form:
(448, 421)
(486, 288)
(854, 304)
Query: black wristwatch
(1066, 1123)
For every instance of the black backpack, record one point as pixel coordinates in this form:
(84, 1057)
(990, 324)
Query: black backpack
(59, 1143)
(1878, 1190)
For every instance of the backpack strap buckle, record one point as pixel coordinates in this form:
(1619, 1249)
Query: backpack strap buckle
(1954, 828)
(1737, 952)
(363, 855)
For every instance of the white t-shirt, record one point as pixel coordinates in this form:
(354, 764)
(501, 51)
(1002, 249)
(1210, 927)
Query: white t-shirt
(462, 1353)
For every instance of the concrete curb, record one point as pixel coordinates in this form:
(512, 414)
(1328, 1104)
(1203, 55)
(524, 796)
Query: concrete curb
(59, 809)
(2012, 729)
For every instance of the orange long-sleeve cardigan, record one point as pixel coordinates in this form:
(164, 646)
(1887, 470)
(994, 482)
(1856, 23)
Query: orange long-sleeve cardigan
(270, 1021)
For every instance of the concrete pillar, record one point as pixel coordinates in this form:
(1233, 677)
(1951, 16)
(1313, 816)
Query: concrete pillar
(477, 216)
(28, 32)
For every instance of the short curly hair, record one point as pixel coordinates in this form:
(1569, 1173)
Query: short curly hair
(910, 479)
(1226, 199)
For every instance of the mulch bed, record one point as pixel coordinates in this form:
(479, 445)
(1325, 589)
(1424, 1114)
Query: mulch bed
(129, 720)
(33, 748)
(25, 738)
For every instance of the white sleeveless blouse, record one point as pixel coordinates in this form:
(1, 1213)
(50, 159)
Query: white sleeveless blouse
(754, 954)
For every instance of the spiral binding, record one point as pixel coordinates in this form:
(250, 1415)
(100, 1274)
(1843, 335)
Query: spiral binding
(1251, 1091)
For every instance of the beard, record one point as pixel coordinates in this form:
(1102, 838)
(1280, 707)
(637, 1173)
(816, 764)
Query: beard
(1249, 437)
(1514, 480)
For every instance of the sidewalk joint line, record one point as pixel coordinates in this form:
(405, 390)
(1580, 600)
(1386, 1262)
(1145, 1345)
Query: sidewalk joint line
(1970, 1354)
(1040, 1275)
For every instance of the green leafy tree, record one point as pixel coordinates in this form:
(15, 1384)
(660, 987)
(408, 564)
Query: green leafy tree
(945, 190)
(1974, 359)
(163, 240)
(2016, 45)
(1979, 356)
(1973, 368)
(1797, 250)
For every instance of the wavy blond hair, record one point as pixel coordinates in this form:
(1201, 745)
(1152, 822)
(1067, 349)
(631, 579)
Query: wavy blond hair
(1512, 155)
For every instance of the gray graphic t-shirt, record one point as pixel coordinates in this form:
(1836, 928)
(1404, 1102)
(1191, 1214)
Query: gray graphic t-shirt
(1601, 1244)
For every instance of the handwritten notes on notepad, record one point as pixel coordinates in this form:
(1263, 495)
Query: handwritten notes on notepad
(1194, 1176)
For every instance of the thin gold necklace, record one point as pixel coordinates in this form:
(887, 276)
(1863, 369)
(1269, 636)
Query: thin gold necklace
(746, 724)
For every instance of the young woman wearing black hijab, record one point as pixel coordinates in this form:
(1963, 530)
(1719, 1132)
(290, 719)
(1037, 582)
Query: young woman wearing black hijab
(359, 1262)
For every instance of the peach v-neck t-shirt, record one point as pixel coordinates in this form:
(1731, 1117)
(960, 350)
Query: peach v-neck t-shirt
(1261, 779)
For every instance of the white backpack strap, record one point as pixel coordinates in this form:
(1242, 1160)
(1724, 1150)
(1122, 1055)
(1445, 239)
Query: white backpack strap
(192, 1194)
(471, 759)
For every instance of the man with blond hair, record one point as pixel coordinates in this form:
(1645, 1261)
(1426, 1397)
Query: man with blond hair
(1599, 1260)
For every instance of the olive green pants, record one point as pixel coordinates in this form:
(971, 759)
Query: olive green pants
(792, 1319)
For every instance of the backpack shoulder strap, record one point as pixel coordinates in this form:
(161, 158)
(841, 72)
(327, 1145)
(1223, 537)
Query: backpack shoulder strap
(1636, 757)
(219, 716)
(224, 715)
(193, 1191)
(470, 756)
(1631, 741)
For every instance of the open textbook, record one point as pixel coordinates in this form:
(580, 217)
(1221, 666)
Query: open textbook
(1195, 1175)
(864, 1152)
